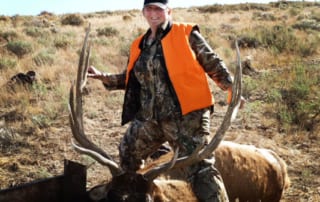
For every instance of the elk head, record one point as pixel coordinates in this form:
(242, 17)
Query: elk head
(126, 186)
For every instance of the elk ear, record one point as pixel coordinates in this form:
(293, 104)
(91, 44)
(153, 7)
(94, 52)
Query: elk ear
(99, 192)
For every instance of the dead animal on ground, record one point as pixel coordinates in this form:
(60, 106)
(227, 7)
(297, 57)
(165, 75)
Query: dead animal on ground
(249, 173)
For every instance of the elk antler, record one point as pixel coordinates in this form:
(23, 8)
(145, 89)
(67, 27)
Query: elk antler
(156, 171)
(76, 114)
(200, 154)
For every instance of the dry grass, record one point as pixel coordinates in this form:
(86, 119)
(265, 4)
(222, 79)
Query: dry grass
(34, 129)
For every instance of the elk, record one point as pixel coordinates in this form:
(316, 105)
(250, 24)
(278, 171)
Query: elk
(249, 173)
(140, 187)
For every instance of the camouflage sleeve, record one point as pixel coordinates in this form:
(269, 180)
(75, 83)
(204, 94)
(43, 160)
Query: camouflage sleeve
(209, 60)
(114, 81)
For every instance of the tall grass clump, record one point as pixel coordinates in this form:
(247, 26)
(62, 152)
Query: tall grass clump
(9, 35)
(72, 19)
(62, 42)
(20, 48)
(297, 99)
(308, 46)
(278, 39)
(107, 31)
(34, 32)
(307, 24)
(44, 58)
(281, 39)
(6, 63)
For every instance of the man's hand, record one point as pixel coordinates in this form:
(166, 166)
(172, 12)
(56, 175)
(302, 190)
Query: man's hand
(94, 73)
(242, 99)
(97, 74)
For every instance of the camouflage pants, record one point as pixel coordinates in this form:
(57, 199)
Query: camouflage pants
(207, 183)
(143, 138)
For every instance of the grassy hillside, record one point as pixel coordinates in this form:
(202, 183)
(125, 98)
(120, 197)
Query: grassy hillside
(279, 47)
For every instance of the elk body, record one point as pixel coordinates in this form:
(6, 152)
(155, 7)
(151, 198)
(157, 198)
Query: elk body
(251, 174)
(140, 187)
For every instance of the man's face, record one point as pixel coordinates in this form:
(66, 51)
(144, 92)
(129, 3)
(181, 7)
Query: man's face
(155, 15)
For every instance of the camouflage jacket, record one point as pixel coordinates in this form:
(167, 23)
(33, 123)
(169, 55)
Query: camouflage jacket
(149, 92)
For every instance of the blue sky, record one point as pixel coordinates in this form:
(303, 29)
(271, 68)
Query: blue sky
(35, 7)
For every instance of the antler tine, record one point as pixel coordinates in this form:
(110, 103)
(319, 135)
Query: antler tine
(86, 66)
(76, 114)
(231, 111)
(81, 75)
(114, 167)
(155, 172)
(199, 154)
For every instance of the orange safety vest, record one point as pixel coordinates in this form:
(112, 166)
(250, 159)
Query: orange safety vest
(186, 74)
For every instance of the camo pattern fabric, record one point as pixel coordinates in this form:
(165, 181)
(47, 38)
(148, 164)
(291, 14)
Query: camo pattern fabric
(158, 118)
(207, 183)
(156, 93)
(209, 60)
(142, 138)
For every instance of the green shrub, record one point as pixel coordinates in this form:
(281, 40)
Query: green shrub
(308, 47)
(33, 32)
(7, 63)
(41, 120)
(72, 19)
(212, 9)
(251, 6)
(263, 16)
(20, 48)
(273, 96)
(9, 35)
(107, 31)
(249, 86)
(282, 39)
(308, 24)
(299, 104)
(62, 42)
(44, 58)
(233, 7)
(294, 12)
(278, 38)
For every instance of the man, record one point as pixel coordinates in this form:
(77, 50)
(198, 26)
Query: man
(167, 95)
